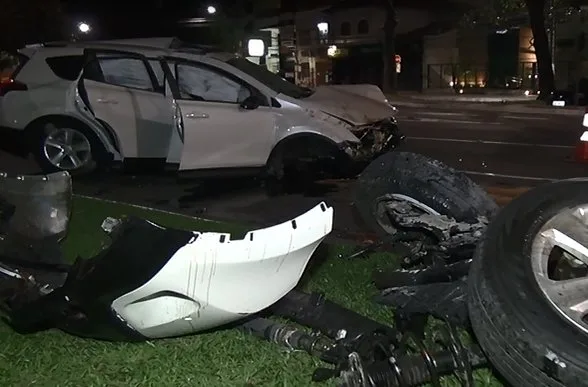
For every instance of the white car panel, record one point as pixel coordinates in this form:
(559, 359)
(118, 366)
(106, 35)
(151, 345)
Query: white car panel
(142, 120)
(293, 119)
(215, 280)
(247, 136)
(176, 143)
(349, 104)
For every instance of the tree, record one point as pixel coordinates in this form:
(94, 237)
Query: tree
(538, 14)
(536, 9)
(389, 75)
(30, 21)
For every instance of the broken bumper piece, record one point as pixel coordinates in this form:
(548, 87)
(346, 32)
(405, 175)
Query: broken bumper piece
(153, 282)
(35, 206)
(214, 280)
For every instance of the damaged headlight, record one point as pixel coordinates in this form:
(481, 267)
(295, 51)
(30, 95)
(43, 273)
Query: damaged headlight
(394, 108)
(376, 138)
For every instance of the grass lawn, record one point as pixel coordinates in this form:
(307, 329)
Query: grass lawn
(225, 358)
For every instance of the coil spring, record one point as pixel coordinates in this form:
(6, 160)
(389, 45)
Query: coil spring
(406, 369)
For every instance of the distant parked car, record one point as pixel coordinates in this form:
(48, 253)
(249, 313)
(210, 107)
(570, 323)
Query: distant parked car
(79, 105)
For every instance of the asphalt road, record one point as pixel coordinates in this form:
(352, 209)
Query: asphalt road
(520, 148)
(501, 150)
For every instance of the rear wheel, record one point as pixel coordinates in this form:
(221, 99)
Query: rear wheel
(67, 146)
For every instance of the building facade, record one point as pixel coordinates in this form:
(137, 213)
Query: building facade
(344, 45)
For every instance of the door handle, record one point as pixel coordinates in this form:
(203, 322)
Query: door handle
(194, 116)
(110, 101)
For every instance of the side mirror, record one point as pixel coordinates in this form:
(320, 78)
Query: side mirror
(251, 103)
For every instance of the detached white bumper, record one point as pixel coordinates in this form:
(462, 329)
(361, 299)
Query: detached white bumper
(214, 280)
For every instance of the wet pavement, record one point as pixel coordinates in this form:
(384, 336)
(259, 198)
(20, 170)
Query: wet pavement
(507, 153)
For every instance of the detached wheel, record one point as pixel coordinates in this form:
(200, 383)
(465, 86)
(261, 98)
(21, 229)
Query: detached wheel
(67, 146)
(428, 185)
(528, 288)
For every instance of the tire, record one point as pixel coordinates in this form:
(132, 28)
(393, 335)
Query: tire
(523, 335)
(430, 182)
(41, 134)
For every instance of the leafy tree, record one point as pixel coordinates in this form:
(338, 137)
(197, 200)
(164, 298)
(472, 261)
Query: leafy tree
(29, 21)
(538, 14)
(389, 76)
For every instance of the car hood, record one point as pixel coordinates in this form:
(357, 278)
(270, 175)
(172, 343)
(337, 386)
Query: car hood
(356, 104)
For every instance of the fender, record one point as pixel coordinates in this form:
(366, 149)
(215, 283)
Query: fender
(311, 152)
(304, 141)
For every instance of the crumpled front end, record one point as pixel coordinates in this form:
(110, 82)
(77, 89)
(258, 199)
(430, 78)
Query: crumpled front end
(375, 138)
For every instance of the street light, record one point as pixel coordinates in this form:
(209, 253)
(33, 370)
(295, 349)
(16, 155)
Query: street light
(323, 28)
(83, 27)
(211, 10)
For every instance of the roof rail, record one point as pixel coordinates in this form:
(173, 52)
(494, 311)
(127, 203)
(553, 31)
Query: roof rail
(57, 43)
(33, 45)
(171, 43)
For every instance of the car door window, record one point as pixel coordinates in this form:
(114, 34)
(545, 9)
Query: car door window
(126, 72)
(66, 67)
(204, 84)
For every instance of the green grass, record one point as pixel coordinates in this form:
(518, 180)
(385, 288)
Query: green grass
(225, 358)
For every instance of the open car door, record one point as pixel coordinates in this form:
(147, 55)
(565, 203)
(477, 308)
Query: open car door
(121, 90)
(217, 133)
(176, 143)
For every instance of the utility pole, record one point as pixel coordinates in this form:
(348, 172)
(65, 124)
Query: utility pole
(552, 31)
(389, 76)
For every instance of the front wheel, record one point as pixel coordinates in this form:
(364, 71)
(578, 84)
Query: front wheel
(67, 146)
(427, 185)
(528, 288)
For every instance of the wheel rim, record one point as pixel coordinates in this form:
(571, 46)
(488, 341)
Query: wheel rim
(381, 210)
(67, 149)
(559, 256)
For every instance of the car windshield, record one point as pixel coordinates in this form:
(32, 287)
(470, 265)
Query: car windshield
(271, 80)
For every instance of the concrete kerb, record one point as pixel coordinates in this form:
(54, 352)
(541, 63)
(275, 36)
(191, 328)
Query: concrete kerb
(137, 206)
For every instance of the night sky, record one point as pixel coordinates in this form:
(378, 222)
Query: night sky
(119, 18)
(112, 18)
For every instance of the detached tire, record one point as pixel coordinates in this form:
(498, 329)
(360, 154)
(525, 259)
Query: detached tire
(523, 334)
(425, 180)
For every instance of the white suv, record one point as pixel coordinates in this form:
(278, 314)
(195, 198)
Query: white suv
(79, 105)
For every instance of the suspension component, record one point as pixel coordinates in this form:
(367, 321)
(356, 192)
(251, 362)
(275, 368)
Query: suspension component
(407, 370)
(327, 317)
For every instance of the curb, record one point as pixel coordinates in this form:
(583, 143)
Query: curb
(146, 208)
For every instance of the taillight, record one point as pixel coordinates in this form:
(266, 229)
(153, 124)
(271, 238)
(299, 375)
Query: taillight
(11, 85)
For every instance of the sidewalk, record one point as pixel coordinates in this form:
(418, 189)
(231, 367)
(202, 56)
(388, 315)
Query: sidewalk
(507, 102)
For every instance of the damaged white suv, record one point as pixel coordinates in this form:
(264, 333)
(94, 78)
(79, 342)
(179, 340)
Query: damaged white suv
(79, 105)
